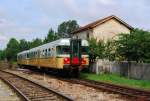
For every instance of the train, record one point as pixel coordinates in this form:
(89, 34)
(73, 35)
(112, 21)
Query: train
(67, 55)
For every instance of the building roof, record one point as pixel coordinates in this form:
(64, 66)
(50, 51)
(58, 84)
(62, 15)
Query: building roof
(101, 21)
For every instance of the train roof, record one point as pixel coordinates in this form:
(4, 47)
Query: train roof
(63, 41)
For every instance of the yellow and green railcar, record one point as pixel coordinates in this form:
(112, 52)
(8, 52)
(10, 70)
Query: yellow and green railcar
(66, 53)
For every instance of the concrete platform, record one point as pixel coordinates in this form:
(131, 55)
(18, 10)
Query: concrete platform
(7, 94)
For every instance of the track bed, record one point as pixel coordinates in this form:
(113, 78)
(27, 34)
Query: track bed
(30, 90)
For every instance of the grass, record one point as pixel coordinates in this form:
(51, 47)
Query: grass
(13, 62)
(116, 79)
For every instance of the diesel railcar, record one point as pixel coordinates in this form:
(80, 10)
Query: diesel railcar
(66, 54)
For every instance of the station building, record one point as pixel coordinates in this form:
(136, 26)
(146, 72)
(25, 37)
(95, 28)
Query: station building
(103, 29)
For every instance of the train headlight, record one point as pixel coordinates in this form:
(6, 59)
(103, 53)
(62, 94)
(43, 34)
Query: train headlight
(83, 61)
(67, 60)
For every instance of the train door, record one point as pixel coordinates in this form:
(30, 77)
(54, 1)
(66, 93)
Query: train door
(75, 55)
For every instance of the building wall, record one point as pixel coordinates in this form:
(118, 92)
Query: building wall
(105, 31)
(83, 35)
(109, 30)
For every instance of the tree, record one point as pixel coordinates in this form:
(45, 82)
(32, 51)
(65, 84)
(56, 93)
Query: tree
(51, 36)
(110, 48)
(101, 49)
(97, 47)
(134, 46)
(36, 42)
(2, 54)
(67, 27)
(24, 45)
(12, 49)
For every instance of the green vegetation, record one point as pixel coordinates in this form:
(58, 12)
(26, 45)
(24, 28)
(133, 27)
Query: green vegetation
(51, 36)
(67, 27)
(116, 79)
(101, 49)
(133, 46)
(14, 46)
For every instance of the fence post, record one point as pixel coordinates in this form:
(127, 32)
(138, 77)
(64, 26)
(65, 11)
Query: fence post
(129, 67)
(97, 66)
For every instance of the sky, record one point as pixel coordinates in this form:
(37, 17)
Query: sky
(30, 19)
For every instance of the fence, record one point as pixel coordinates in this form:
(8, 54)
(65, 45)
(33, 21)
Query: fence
(132, 70)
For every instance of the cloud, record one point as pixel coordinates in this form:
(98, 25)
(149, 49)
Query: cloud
(5, 23)
(35, 17)
(105, 2)
(45, 20)
(2, 12)
(3, 41)
(3, 38)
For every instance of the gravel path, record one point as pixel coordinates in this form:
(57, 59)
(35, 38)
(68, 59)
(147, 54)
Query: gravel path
(76, 91)
(6, 94)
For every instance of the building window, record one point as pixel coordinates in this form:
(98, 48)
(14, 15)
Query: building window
(77, 36)
(87, 35)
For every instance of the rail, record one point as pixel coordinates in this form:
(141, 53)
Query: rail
(30, 90)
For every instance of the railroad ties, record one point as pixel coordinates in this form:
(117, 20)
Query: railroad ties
(139, 95)
(31, 91)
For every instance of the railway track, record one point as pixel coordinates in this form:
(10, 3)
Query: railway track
(31, 91)
(136, 94)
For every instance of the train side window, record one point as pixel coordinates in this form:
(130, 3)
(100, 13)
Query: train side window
(34, 54)
(30, 55)
(52, 52)
(45, 52)
(27, 55)
(41, 54)
(49, 52)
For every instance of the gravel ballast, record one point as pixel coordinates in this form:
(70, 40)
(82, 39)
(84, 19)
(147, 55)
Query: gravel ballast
(77, 91)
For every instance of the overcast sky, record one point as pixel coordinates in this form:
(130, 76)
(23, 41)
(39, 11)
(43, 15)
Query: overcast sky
(29, 19)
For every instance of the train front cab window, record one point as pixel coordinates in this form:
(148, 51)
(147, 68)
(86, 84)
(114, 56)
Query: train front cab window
(63, 50)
